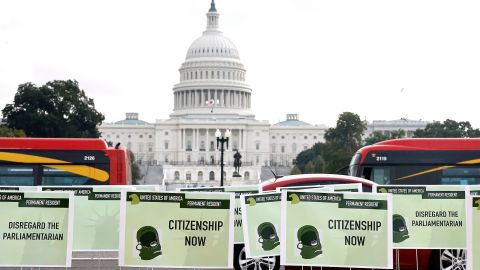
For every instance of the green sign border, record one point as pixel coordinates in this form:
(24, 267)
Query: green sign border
(70, 207)
(123, 208)
(388, 210)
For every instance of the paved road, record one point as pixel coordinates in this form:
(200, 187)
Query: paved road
(92, 260)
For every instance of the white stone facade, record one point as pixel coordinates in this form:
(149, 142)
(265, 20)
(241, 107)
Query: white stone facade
(212, 94)
(387, 126)
(138, 136)
(290, 137)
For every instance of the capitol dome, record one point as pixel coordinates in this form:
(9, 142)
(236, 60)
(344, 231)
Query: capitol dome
(212, 77)
(212, 44)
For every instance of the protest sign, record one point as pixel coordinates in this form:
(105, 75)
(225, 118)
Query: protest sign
(428, 217)
(474, 190)
(20, 188)
(97, 216)
(261, 224)
(238, 190)
(148, 187)
(36, 228)
(336, 229)
(473, 235)
(166, 229)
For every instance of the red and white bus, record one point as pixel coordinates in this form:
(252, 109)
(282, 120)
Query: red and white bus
(426, 161)
(419, 161)
(62, 161)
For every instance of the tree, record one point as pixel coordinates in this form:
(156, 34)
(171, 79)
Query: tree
(309, 168)
(134, 168)
(306, 155)
(340, 144)
(448, 129)
(296, 170)
(348, 132)
(56, 109)
(8, 132)
(378, 136)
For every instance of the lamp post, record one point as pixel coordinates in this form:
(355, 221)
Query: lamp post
(221, 140)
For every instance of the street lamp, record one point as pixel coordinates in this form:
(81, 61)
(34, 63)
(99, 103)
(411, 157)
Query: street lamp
(221, 140)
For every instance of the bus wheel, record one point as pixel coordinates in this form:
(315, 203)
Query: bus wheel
(241, 262)
(449, 259)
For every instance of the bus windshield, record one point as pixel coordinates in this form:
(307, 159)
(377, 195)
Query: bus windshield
(419, 162)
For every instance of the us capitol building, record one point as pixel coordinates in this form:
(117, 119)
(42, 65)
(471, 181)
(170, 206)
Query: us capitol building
(212, 94)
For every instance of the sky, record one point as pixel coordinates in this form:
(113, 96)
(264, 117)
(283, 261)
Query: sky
(381, 59)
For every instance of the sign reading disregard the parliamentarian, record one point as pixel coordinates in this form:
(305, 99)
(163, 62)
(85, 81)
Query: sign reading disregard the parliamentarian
(238, 190)
(36, 228)
(336, 229)
(165, 229)
(428, 216)
(473, 236)
(97, 216)
(261, 226)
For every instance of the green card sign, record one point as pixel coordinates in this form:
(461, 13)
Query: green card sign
(428, 216)
(20, 188)
(336, 229)
(238, 190)
(97, 216)
(261, 224)
(473, 237)
(36, 228)
(166, 229)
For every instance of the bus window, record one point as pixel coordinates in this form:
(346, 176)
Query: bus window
(58, 177)
(461, 176)
(381, 175)
(16, 176)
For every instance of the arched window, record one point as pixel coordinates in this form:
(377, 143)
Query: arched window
(224, 175)
(246, 176)
(200, 176)
(211, 176)
(177, 176)
(188, 176)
